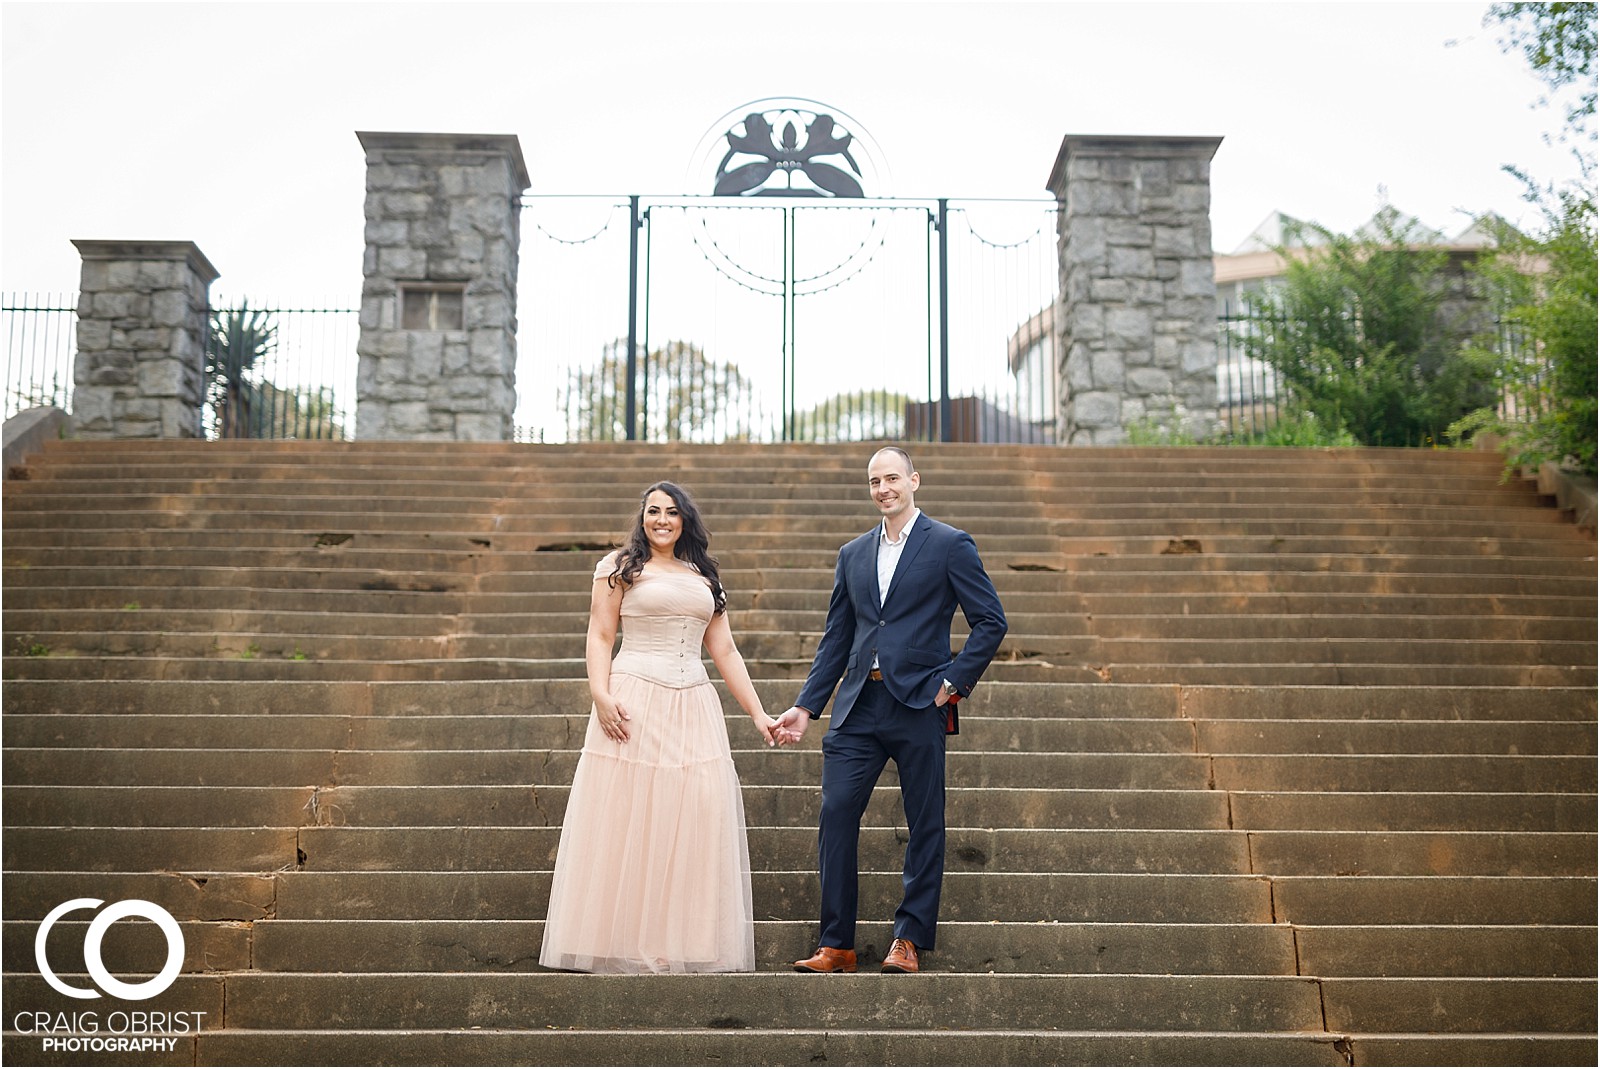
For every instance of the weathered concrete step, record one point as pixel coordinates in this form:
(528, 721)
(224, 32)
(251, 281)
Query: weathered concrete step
(207, 894)
(1077, 808)
(788, 645)
(1402, 853)
(571, 574)
(361, 645)
(395, 946)
(544, 805)
(1446, 900)
(514, 894)
(1306, 736)
(264, 768)
(1317, 625)
(1425, 1048)
(378, 946)
(849, 456)
(992, 699)
(1329, 675)
(984, 510)
(1445, 950)
(1073, 671)
(1410, 811)
(1464, 1004)
(945, 1001)
(956, 498)
(1270, 523)
(342, 849)
(332, 621)
(511, 552)
(1370, 606)
(447, 730)
(1164, 649)
(326, 849)
(697, 1047)
(1413, 772)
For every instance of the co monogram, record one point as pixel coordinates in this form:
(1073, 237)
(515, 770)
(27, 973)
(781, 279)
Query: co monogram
(128, 907)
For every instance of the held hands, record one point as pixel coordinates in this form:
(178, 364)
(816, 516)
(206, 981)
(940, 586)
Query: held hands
(765, 724)
(613, 718)
(791, 726)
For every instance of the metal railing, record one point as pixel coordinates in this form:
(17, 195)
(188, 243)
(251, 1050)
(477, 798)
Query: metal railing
(40, 331)
(298, 382)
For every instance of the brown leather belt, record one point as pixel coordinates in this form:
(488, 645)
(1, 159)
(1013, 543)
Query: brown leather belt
(875, 675)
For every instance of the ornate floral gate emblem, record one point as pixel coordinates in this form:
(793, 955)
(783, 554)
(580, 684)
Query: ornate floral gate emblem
(789, 147)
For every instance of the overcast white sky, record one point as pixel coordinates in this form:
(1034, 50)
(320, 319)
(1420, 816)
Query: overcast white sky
(232, 124)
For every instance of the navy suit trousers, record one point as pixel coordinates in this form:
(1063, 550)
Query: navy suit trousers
(878, 730)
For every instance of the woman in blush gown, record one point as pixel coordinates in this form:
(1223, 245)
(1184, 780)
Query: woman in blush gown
(652, 872)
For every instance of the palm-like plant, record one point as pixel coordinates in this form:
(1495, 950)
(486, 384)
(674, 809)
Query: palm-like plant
(239, 338)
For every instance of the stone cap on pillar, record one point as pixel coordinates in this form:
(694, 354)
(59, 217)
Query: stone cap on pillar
(187, 251)
(1128, 146)
(501, 145)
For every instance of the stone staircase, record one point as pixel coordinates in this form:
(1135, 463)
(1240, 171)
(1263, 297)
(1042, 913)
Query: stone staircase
(1289, 756)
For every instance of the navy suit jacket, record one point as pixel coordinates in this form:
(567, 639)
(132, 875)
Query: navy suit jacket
(909, 633)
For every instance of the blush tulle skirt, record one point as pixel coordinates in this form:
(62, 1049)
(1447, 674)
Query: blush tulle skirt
(652, 873)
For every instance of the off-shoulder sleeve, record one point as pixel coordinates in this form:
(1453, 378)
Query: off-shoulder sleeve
(607, 565)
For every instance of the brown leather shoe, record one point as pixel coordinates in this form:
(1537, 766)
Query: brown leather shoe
(902, 957)
(828, 959)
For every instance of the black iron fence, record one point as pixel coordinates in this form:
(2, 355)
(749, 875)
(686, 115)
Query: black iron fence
(280, 372)
(40, 331)
(807, 370)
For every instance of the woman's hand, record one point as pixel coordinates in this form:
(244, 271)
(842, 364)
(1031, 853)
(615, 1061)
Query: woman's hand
(613, 718)
(765, 724)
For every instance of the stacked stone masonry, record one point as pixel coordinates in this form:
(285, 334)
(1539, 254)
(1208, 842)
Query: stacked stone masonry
(139, 370)
(442, 210)
(1137, 335)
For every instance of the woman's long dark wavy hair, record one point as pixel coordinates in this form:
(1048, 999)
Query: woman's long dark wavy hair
(692, 546)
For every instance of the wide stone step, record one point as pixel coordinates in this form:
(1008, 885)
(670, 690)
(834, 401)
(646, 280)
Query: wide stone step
(1410, 811)
(755, 1046)
(329, 849)
(1429, 900)
(1043, 627)
(512, 552)
(400, 946)
(283, 697)
(1166, 649)
(246, 768)
(517, 848)
(1315, 625)
(26, 667)
(445, 730)
(514, 894)
(944, 1001)
(544, 805)
(568, 493)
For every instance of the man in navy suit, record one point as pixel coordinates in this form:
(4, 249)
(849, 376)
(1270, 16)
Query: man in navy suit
(886, 646)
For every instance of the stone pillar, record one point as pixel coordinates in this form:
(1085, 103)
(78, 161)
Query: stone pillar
(1137, 336)
(438, 345)
(140, 366)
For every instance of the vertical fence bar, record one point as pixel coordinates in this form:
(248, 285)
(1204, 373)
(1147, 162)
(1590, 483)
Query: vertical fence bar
(945, 428)
(631, 409)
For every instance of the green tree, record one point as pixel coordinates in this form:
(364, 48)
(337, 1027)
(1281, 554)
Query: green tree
(1546, 282)
(1367, 338)
(238, 340)
(1558, 41)
(681, 396)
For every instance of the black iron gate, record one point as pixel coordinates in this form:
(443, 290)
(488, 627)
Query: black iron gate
(781, 321)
